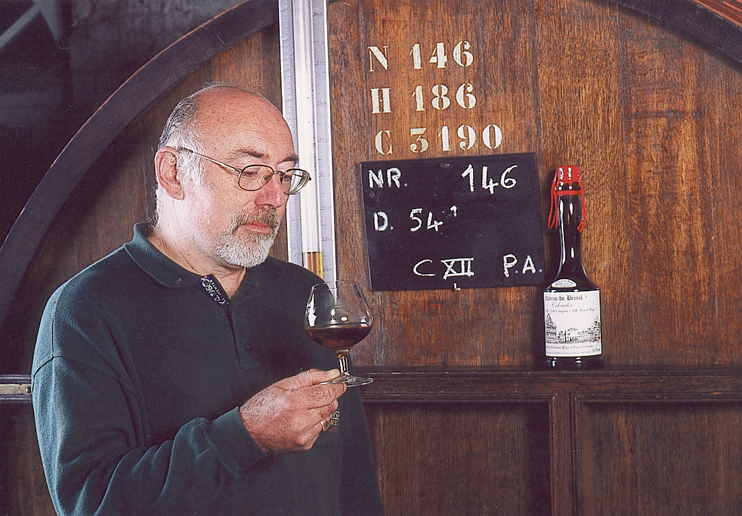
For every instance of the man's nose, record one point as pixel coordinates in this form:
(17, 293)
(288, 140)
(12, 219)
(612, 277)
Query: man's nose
(272, 193)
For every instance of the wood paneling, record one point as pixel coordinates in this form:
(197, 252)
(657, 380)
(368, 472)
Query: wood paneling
(644, 110)
(715, 22)
(116, 192)
(650, 441)
(579, 81)
(441, 459)
(434, 327)
(671, 219)
(659, 458)
(23, 490)
(650, 116)
(111, 119)
(631, 100)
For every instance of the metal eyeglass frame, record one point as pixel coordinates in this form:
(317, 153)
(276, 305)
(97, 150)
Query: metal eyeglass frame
(302, 174)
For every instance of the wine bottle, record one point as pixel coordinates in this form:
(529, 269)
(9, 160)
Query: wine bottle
(571, 300)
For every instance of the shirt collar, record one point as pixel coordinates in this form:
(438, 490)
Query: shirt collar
(161, 268)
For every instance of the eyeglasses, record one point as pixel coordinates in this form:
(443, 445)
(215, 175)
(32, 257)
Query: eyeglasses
(254, 177)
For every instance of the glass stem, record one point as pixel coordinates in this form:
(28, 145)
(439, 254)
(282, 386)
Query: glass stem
(343, 359)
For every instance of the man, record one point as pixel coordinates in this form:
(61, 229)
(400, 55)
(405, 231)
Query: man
(174, 375)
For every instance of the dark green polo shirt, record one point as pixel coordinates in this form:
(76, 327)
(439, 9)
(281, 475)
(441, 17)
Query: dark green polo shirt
(138, 372)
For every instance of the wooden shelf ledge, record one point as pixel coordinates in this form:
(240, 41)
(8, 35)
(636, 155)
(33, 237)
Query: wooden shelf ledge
(518, 385)
(503, 385)
(15, 388)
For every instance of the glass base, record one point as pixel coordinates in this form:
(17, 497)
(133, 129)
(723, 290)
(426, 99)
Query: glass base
(350, 380)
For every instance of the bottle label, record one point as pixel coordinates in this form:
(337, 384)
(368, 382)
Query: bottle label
(564, 283)
(572, 324)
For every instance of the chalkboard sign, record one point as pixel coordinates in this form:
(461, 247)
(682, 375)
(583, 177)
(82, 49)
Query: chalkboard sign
(463, 222)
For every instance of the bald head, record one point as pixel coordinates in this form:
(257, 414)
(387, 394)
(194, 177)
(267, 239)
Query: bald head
(180, 129)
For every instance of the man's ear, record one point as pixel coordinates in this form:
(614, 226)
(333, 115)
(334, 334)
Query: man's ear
(166, 170)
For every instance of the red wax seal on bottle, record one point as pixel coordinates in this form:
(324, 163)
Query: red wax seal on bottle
(567, 181)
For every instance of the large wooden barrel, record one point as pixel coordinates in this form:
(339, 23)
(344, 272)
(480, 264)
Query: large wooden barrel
(643, 96)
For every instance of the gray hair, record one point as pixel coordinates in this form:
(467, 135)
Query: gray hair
(180, 131)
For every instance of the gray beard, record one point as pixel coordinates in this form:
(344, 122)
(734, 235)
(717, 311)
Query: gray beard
(252, 249)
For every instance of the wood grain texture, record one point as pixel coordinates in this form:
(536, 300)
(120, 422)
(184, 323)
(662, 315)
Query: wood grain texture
(23, 491)
(582, 81)
(658, 458)
(649, 113)
(715, 22)
(622, 441)
(463, 473)
(670, 210)
(97, 218)
(579, 73)
(631, 100)
(482, 326)
(724, 158)
(729, 9)
(107, 122)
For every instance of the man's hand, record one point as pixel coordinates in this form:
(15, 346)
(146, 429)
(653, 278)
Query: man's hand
(288, 416)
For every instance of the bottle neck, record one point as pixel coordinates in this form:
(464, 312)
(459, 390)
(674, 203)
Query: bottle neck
(569, 210)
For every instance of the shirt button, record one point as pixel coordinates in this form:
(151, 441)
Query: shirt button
(247, 346)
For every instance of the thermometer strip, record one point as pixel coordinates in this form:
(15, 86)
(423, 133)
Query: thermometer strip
(305, 69)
